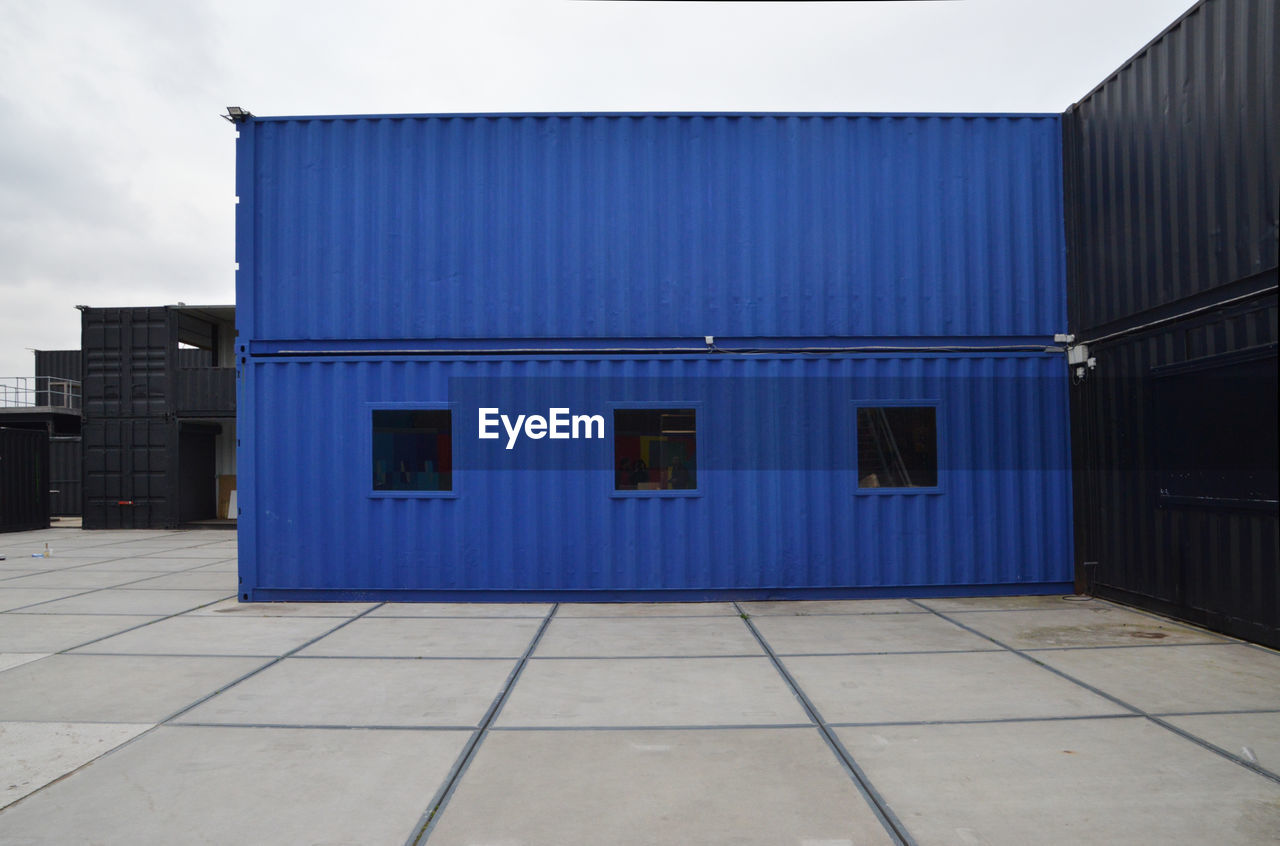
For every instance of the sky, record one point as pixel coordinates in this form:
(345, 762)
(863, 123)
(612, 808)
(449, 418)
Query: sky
(117, 174)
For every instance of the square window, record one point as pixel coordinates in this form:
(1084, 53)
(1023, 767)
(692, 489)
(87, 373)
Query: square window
(412, 450)
(655, 449)
(898, 447)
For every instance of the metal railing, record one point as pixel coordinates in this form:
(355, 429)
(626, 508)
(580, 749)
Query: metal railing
(39, 392)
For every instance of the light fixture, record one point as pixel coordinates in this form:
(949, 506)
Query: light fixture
(235, 114)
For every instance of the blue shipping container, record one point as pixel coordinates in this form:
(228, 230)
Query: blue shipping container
(417, 266)
(400, 232)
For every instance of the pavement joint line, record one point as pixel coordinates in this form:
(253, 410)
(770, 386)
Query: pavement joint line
(644, 657)
(407, 657)
(892, 825)
(132, 628)
(1217, 642)
(984, 721)
(107, 587)
(323, 726)
(456, 617)
(47, 571)
(426, 823)
(712, 727)
(1226, 713)
(270, 663)
(1186, 735)
(882, 652)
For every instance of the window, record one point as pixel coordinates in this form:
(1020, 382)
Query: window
(412, 450)
(1216, 431)
(898, 447)
(655, 449)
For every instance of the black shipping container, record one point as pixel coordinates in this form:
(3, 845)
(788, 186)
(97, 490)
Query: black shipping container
(66, 477)
(1172, 191)
(24, 480)
(60, 364)
(128, 358)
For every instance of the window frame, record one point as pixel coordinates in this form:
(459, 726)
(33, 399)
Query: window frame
(936, 404)
(611, 444)
(367, 451)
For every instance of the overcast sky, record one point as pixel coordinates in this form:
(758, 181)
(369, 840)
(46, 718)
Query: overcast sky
(117, 176)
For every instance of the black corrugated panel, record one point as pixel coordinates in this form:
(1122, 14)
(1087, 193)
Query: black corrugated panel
(1172, 183)
(66, 477)
(128, 360)
(24, 480)
(59, 364)
(205, 391)
(188, 357)
(130, 474)
(1172, 192)
(1213, 564)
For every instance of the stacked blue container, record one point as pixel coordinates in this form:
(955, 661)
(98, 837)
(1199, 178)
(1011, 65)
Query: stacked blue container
(789, 355)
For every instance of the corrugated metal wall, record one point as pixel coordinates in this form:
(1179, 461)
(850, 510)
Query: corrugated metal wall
(59, 364)
(1217, 567)
(24, 480)
(778, 508)
(1173, 179)
(1173, 188)
(130, 479)
(648, 226)
(128, 359)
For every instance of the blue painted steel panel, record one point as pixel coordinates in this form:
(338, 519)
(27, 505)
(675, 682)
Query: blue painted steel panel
(649, 226)
(777, 511)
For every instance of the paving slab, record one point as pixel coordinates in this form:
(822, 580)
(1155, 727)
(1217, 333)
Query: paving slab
(244, 786)
(77, 578)
(360, 692)
(56, 632)
(113, 688)
(804, 608)
(195, 635)
(1008, 603)
(1169, 679)
(866, 633)
(119, 601)
(17, 659)
(1111, 780)
(428, 638)
(640, 692)
(234, 608)
(1090, 624)
(939, 686)
(224, 583)
(1254, 737)
(134, 563)
(749, 786)
(20, 597)
(7, 575)
(38, 753)
(646, 609)
(463, 609)
(202, 551)
(624, 637)
(230, 566)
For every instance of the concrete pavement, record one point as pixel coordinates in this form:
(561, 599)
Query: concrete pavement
(140, 703)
